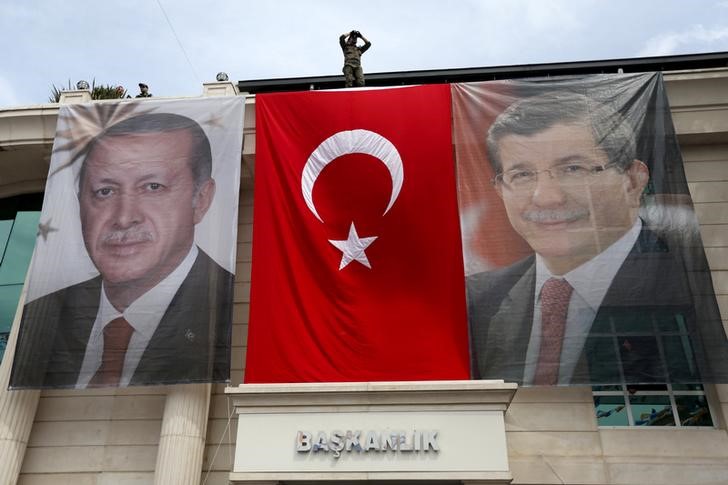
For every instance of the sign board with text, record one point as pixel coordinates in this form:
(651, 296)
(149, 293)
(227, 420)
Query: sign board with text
(356, 431)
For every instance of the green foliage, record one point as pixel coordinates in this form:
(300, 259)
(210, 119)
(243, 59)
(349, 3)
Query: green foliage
(101, 91)
(56, 92)
(107, 92)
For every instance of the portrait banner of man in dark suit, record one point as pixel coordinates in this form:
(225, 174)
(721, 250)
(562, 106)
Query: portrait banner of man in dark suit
(131, 280)
(584, 263)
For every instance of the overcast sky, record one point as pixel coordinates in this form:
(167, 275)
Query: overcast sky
(47, 42)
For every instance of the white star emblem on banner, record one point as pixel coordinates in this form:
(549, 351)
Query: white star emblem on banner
(352, 249)
(344, 143)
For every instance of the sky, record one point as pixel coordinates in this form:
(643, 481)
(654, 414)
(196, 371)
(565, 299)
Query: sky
(176, 45)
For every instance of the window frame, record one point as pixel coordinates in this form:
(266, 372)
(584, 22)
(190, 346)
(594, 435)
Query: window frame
(671, 394)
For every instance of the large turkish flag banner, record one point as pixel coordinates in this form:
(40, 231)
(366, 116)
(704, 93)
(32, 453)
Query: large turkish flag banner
(357, 261)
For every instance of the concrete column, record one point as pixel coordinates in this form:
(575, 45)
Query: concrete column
(75, 96)
(219, 88)
(17, 411)
(17, 408)
(184, 424)
(182, 440)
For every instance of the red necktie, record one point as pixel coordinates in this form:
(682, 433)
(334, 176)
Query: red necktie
(555, 296)
(117, 334)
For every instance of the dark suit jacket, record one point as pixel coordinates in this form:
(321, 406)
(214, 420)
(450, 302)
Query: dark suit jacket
(191, 343)
(651, 326)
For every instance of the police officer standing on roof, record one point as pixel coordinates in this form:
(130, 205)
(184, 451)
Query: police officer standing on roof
(353, 72)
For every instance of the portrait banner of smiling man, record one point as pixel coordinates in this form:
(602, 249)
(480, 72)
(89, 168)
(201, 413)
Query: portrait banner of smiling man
(583, 258)
(131, 280)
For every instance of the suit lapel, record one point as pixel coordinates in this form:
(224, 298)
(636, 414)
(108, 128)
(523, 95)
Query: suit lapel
(178, 349)
(510, 328)
(649, 285)
(76, 320)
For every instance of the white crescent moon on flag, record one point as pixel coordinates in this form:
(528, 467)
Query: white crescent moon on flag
(344, 143)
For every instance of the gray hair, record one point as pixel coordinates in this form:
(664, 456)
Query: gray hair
(528, 116)
(200, 160)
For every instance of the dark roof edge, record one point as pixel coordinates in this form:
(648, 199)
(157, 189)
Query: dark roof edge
(638, 64)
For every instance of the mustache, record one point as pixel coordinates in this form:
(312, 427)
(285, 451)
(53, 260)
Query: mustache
(555, 215)
(127, 237)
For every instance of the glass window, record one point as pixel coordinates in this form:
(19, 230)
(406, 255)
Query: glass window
(19, 218)
(652, 410)
(9, 296)
(5, 227)
(693, 410)
(19, 248)
(611, 411)
(680, 405)
(675, 397)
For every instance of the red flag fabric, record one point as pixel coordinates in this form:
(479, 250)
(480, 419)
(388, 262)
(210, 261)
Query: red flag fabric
(357, 261)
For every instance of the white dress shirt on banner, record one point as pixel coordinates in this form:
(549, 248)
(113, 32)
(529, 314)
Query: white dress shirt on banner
(590, 281)
(144, 314)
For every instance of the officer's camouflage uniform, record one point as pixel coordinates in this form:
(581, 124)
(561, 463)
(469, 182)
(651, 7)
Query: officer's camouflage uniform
(353, 73)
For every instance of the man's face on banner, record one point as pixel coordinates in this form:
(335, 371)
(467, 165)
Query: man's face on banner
(139, 205)
(574, 210)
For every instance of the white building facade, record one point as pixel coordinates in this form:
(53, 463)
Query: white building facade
(211, 434)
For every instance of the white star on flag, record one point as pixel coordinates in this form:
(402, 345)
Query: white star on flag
(353, 248)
